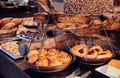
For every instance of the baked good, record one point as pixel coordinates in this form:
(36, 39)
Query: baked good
(17, 21)
(11, 24)
(8, 33)
(12, 48)
(33, 59)
(113, 69)
(8, 26)
(4, 21)
(43, 61)
(32, 52)
(29, 22)
(64, 57)
(32, 56)
(105, 54)
(50, 57)
(80, 50)
(91, 54)
(97, 49)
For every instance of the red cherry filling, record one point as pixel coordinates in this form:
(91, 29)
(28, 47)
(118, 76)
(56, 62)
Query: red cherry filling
(81, 51)
(91, 52)
(97, 50)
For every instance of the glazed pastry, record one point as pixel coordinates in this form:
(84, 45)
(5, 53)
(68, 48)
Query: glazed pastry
(97, 49)
(92, 54)
(80, 50)
(42, 62)
(51, 57)
(64, 57)
(105, 54)
(32, 52)
(32, 59)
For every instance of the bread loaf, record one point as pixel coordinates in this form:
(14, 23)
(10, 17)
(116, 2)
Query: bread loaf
(4, 21)
(8, 26)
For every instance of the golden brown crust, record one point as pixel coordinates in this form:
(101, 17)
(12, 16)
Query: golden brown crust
(12, 48)
(105, 54)
(51, 57)
(17, 21)
(92, 54)
(4, 21)
(8, 26)
(80, 50)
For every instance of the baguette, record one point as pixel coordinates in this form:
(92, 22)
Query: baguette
(8, 26)
(17, 21)
(4, 21)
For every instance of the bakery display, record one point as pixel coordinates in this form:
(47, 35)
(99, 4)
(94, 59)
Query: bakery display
(93, 54)
(71, 27)
(48, 59)
(113, 69)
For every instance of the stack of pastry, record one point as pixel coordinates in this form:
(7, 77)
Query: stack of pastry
(92, 54)
(8, 26)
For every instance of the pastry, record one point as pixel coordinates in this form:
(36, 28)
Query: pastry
(97, 49)
(29, 22)
(32, 52)
(17, 21)
(107, 54)
(43, 61)
(33, 59)
(91, 54)
(50, 57)
(64, 57)
(4, 21)
(12, 48)
(8, 26)
(80, 50)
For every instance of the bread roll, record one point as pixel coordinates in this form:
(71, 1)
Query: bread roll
(4, 21)
(8, 26)
(17, 21)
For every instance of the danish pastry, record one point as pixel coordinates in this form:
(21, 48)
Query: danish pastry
(80, 50)
(106, 54)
